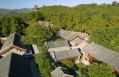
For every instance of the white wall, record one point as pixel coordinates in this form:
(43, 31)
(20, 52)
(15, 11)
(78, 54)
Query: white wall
(72, 43)
(17, 51)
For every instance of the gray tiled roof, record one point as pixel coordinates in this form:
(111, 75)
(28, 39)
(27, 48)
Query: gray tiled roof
(66, 54)
(78, 41)
(103, 54)
(82, 44)
(60, 72)
(68, 35)
(55, 44)
(14, 65)
(13, 39)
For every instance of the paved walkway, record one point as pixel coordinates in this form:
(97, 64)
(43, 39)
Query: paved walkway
(85, 62)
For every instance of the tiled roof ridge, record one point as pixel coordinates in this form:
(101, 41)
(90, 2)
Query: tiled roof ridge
(107, 56)
(76, 32)
(12, 69)
(14, 34)
(10, 43)
(104, 47)
(63, 71)
(70, 35)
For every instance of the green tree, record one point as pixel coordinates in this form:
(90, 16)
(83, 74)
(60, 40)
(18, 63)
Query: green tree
(100, 70)
(68, 63)
(34, 15)
(36, 34)
(107, 37)
(44, 65)
(17, 25)
(10, 24)
(5, 25)
(43, 48)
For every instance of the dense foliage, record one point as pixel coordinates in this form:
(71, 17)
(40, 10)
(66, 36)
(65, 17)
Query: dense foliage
(100, 70)
(82, 68)
(10, 24)
(34, 16)
(36, 34)
(43, 48)
(99, 21)
(67, 63)
(44, 65)
(107, 37)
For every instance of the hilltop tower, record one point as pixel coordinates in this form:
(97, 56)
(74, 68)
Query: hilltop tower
(35, 8)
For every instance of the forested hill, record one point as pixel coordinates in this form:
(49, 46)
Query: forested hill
(101, 22)
(14, 11)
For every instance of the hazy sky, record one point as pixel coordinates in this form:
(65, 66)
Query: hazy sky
(16, 4)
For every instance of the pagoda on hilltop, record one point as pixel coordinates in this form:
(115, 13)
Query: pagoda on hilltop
(35, 8)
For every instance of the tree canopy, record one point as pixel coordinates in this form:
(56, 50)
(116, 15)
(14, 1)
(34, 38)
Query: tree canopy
(36, 34)
(10, 24)
(44, 65)
(101, 22)
(107, 37)
(100, 70)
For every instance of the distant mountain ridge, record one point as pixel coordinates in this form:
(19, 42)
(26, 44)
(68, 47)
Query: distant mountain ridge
(23, 10)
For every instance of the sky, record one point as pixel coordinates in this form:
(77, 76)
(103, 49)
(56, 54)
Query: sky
(17, 4)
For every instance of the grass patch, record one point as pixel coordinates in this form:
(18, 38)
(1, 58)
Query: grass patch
(82, 68)
(43, 48)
